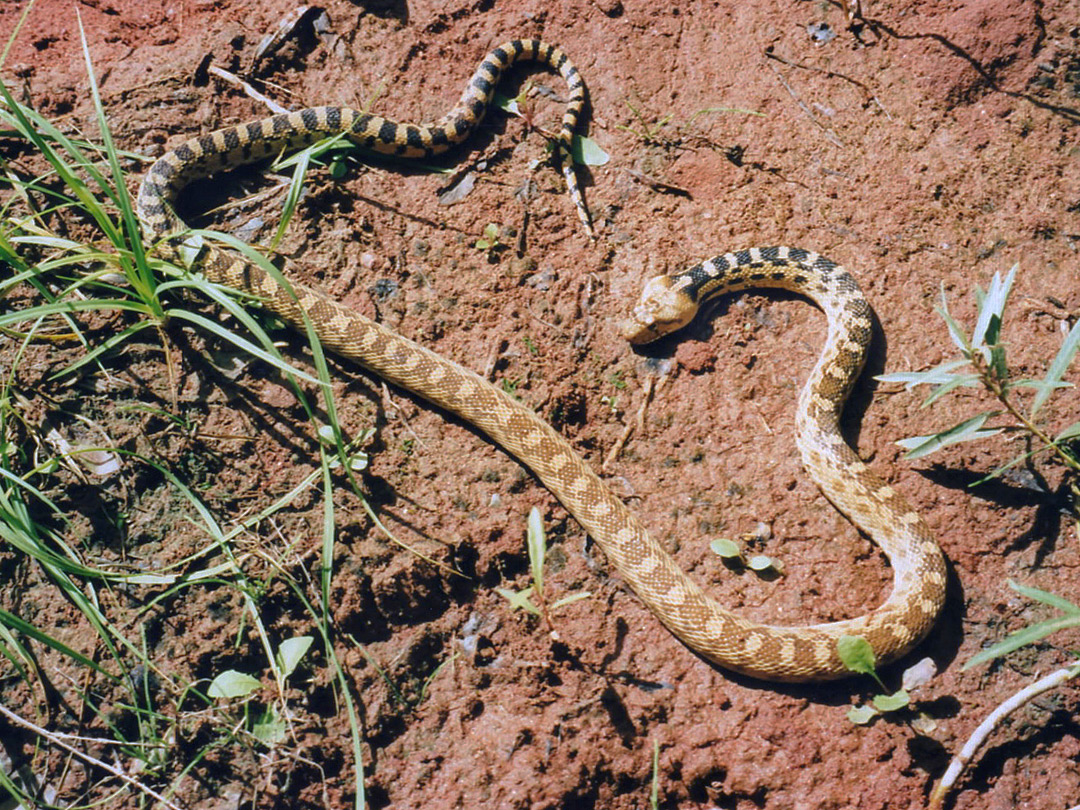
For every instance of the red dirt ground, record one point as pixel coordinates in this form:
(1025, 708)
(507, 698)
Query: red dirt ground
(926, 149)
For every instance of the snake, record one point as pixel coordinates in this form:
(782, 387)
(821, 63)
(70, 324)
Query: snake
(769, 652)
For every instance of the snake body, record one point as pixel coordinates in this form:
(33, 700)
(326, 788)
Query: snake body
(765, 651)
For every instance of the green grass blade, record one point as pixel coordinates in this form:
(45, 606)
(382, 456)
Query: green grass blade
(58, 307)
(1021, 638)
(15, 31)
(103, 348)
(1047, 598)
(344, 684)
(326, 571)
(14, 651)
(42, 134)
(142, 278)
(13, 622)
(246, 345)
(292, 198)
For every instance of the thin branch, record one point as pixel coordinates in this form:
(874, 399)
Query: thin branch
(978, 737)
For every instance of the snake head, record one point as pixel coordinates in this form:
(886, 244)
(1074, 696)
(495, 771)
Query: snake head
(663, 308)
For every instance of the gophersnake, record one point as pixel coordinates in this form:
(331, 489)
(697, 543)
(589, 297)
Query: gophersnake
(765, 651)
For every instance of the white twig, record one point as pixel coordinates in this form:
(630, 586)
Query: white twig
(978, 737)
(232, 78)
(57, 739)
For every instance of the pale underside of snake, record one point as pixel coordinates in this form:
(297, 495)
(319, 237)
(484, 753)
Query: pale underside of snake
(770, 652)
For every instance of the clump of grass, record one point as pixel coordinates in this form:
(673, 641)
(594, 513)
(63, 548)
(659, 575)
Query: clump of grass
(114, 271)
(536, 544)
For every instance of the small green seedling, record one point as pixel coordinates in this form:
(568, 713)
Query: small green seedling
(489, 241)
(583, 151)
(270, 726)
(536, 543)
(232, 684)
(357, 458)
(858, 656)
(734, 556)
(648, 133)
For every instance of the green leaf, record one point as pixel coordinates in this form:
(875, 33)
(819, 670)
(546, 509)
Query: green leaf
(519, 600)
(232, 684)
(1047, 598)
(1023, 637)
(857, 655)
(270, 729)
(506, 104)
(587, 152)
(968, 430)
(490, 238)
(999, 470)
(938, 375)
(956, 332)
(997, 362)
(568, 600)
(728, 549)
(1071, 432)
(1034, 632)
(992, 309)
(290, 653)
(958, 381)
(861, 715)
(759, 562)
(890, 703)
(536, 541)
(1057, 369)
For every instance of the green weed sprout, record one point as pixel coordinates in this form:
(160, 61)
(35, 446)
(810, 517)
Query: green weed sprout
(982, 363)
(489, 241)
(536, 543)
(858, 656)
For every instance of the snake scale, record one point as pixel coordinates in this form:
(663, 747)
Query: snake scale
(769, 652)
